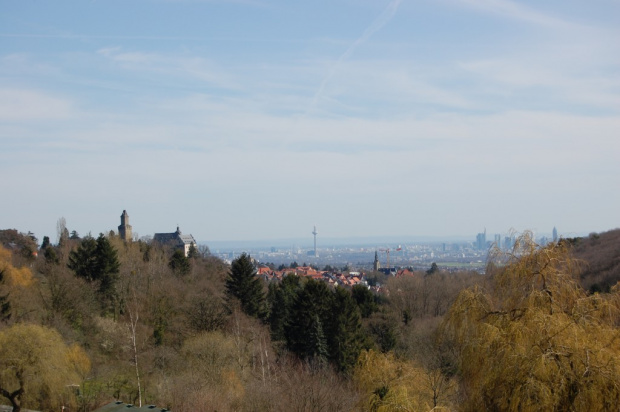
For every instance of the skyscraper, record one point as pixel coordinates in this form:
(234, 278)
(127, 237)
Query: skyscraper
(481, 240)
(555, 234)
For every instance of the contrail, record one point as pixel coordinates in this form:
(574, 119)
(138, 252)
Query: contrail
(374, 27)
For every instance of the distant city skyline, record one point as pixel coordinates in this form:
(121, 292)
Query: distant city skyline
(315, 241)
(307, 243)
(242, 120)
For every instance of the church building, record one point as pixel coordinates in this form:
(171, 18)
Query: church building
(176, 239)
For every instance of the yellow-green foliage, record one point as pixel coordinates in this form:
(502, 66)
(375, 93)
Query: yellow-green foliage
(211, 357)
(35, 359)
(14, 277)
(534, 340)
(391, 384)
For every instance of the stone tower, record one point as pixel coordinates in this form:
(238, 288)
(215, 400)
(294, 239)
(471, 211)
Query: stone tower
(124, 230)
(376, 265)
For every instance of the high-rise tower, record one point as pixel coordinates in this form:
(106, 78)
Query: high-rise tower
(124, 230)
(481, 240)
(314, 232)
(555, 234)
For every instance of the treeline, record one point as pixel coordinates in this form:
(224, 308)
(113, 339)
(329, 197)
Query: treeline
(144, 324)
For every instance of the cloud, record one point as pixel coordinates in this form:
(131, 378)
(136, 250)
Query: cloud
(255, 3)
(516, 11)
(386, 15)
(548, 77)
(31, 105)
(216, 157)
(173, 66)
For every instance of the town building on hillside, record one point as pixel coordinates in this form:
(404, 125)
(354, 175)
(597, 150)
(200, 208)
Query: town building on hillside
(177, 240)
(124, 230)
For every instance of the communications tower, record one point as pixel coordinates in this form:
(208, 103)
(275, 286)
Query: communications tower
(314, 232)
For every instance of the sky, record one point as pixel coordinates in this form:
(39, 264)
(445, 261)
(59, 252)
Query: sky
(259, 119)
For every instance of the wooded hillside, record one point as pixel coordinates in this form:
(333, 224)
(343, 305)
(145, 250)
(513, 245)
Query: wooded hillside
(144, 324)
(600, 254)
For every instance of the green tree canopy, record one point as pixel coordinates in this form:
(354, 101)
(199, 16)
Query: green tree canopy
(179, 263)
(97, 261)
(281, 298)
(365, 299)
(243, 284)
(434, 268)
(305, 329)
(344, 331)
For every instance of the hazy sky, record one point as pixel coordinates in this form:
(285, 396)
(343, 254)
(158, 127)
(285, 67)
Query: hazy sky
(258, 119)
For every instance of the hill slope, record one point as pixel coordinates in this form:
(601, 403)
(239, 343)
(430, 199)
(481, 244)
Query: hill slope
(601, 255)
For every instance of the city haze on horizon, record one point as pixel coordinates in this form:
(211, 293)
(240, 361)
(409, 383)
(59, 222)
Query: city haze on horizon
(256, 120)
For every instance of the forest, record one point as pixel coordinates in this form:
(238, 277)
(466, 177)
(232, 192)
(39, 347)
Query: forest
(89, 320)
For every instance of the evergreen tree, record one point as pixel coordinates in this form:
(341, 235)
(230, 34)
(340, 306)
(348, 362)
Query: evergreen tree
(179, 263)
(243, 284)
(308, 318)
(108, 265)
(83, 260)
(365, 300)
(434, 268)
(316, 347)
(97, 261)
(345, 331)
(46, 242)
(281, 298)
(51, 256)
(192, 253)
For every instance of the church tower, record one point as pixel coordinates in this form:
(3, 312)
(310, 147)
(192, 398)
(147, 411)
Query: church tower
(124, 230)
(376, 265)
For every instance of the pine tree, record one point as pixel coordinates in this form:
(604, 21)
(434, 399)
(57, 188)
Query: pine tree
(97, 261)
(193, 253)
(83, 260)
(345, 331)
(308, 318)
(179, 263)
(316, 345)
(365, 300)
(107, 266)
(51, 256)
(243, 284)
(281, 298)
